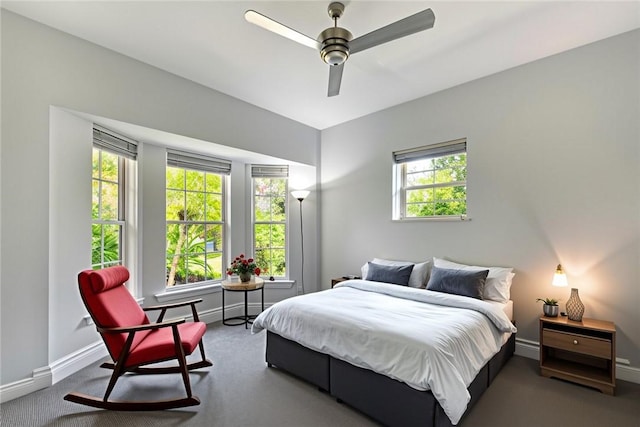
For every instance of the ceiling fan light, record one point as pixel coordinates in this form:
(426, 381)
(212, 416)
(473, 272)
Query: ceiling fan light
(335, 57)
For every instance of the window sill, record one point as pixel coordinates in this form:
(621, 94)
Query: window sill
(279, 284)
(179, 294)
(461, 218)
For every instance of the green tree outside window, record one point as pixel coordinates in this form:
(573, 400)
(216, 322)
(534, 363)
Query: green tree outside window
(269, 229)
(107, 227)
(437, 186)
(195, 224)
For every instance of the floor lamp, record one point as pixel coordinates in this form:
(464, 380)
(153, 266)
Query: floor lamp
(301, 195)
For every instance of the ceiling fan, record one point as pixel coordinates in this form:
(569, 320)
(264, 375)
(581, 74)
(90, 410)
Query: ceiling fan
(335, 44)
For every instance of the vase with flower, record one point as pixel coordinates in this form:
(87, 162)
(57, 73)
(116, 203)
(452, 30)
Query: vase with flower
(244, 267)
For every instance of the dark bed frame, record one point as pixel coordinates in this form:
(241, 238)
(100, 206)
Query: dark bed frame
(386, 400)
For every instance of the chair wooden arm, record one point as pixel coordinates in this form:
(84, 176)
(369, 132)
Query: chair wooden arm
(138, 328)
(174, 305)
(165, 307)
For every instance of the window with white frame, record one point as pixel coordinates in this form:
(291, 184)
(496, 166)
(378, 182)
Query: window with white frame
(196, 205)
(112, 154)
(431, 181)
(270, 190)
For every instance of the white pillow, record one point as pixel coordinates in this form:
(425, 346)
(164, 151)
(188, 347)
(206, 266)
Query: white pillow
(498, 284)
(419, 274)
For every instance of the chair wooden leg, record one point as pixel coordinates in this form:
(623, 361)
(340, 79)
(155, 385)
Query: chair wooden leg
(119, 367)
(182, 361)
(202, 351)
(112, 382)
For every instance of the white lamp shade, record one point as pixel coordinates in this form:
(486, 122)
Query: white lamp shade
(300, 194)
(559, 278)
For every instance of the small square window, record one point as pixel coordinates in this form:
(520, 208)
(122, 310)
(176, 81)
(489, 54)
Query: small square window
(431, 181)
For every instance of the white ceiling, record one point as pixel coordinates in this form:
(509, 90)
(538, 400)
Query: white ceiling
(209, 42)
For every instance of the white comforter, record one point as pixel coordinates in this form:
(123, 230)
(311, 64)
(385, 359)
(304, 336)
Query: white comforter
(429, 340)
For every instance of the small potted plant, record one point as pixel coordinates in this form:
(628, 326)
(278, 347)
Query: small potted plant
(549, 306)
(244, 267)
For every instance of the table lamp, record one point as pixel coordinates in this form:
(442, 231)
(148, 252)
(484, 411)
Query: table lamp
(574, 306)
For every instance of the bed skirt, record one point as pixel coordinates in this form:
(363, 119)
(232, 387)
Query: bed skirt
(386, 400)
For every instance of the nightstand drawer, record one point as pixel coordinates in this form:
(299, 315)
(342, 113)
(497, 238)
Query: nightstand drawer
(577, 343)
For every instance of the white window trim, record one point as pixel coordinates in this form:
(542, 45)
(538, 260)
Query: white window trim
(208, 164)
(129, 188)
(132, 248)
(287, 225)
(401, 158)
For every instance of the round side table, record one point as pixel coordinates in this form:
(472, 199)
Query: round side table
(234, 286)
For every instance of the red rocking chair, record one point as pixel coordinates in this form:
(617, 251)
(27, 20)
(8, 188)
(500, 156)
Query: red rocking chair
(134, 342)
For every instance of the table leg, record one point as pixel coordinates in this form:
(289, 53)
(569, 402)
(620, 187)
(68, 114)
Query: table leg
(246, 310)
(223, 320)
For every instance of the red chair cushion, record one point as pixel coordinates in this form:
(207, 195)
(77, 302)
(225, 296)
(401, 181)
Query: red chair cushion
(109, 278)
(159, 345)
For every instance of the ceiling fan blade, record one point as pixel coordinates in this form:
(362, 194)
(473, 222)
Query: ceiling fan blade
(412, 24)
(335, 78)
(269, 24)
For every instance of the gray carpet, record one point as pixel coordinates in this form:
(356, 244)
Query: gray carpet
(240, 391)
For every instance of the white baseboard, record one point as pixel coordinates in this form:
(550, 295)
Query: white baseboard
(41, 378)
(48, 375)
(628, 373)
(526, 348)
(624, 372)
(72, 363)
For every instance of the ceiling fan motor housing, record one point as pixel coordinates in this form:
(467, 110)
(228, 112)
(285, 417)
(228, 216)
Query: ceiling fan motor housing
(335, 45)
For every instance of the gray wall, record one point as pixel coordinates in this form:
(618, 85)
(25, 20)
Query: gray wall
(553, 177)
(45, 238)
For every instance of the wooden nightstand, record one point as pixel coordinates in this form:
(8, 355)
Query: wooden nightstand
(581, 352)
(341, 279)
(337, 280)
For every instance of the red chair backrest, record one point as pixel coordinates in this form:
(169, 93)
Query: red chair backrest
(111, 305)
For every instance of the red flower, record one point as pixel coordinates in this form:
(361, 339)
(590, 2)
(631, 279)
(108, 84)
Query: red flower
(242, 264)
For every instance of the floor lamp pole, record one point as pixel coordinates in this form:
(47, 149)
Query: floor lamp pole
(301, 249)
(301, 195)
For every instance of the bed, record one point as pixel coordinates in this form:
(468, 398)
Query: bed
(400, 354)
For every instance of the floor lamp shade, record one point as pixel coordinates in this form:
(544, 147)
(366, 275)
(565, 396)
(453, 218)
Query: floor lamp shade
(300, 194)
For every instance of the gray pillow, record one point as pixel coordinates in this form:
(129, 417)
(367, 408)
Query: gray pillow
(396, 274)
(458, 282)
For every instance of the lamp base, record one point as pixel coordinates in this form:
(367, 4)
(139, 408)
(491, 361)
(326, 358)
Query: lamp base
(575, 308)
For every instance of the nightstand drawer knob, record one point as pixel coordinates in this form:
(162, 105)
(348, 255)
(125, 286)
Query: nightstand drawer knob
(575, 342)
